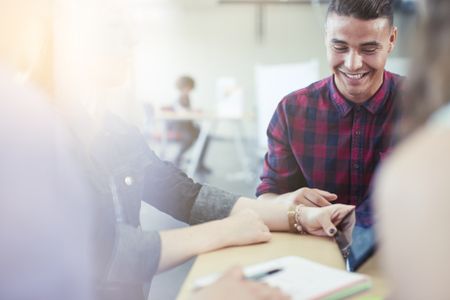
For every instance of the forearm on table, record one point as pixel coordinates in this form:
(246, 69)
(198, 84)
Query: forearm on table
(273, 214)
(218, 234)
(181, 244)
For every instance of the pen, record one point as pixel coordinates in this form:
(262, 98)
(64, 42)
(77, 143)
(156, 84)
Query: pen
(258, 276)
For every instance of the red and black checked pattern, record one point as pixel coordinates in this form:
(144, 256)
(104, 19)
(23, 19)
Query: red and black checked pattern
(318, 138)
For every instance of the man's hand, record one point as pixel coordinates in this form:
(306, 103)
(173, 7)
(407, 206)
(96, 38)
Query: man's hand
(308, 197)
(232, 285)
(323, 220)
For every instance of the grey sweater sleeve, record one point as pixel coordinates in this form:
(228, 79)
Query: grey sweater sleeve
(210, 204)
(136, 255)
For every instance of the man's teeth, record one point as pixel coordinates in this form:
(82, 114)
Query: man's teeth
(355, 76)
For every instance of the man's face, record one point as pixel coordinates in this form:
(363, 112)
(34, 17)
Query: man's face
(357, 51)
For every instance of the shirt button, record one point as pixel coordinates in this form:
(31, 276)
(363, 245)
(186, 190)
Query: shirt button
(356, 166)
(358, 132)
(129, 180)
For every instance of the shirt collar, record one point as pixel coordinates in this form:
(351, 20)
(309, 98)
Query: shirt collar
(373, 105)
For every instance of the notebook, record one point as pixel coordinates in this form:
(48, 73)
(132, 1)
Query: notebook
(302, 279)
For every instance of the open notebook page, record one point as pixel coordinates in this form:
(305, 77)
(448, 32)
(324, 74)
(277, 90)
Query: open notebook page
(303, 279)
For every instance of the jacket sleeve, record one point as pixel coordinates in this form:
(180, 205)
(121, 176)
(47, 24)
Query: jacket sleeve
(136, 255)
(170, 190)
(210, 204)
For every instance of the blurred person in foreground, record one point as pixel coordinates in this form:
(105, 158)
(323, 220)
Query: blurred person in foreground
(46, 208)
(71, 198)
(326, 140)
(412, 191)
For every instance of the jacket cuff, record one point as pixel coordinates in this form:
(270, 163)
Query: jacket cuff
(212, 204)
(136, 255)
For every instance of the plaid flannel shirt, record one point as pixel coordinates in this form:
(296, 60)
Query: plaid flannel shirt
(319, 139)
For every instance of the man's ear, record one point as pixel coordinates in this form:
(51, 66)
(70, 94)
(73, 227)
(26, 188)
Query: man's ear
(392, 39)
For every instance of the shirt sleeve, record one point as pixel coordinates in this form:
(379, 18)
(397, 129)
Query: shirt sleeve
(281, 172)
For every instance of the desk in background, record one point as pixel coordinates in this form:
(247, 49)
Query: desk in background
(320, 249)
(207, 123)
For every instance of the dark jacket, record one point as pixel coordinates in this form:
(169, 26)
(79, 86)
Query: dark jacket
(125, 172)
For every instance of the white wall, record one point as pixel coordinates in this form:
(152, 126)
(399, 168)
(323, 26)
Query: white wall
(169, 38)
(212, 41)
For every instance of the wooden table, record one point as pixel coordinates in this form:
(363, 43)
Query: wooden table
(319, 249)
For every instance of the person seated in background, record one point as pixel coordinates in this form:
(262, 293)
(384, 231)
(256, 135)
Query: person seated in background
(119, 170)
(187, 131)
(326, 140)
(412, 188)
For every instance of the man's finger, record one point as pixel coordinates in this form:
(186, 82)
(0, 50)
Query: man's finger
(329, 196)
(315, 198)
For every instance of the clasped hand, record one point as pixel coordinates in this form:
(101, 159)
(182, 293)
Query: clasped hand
(308, 197)
(322, 221)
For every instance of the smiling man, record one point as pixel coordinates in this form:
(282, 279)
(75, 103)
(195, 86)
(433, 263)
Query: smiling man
(325, 141)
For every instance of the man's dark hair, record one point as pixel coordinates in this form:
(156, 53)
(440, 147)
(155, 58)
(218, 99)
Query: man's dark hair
(363, 9)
